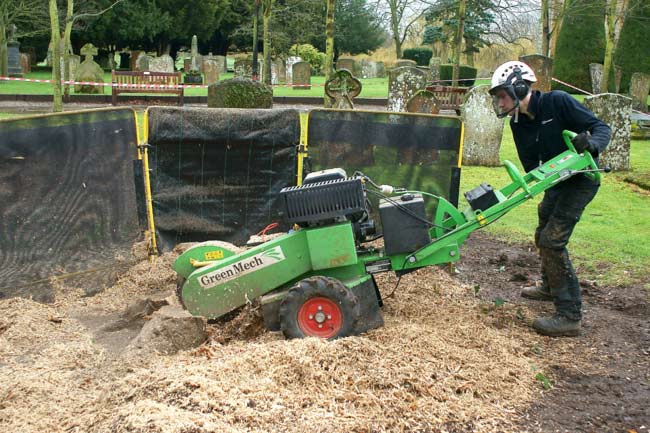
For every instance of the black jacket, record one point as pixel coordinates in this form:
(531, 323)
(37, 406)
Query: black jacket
(540, 139)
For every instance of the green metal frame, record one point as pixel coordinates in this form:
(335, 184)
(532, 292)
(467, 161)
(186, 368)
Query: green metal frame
(218, 288)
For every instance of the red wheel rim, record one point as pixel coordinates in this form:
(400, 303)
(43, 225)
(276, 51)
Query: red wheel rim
(320, 317)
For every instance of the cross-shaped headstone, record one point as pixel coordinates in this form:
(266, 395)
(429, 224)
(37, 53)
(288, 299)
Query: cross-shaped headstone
(343, 87)
(88, 50)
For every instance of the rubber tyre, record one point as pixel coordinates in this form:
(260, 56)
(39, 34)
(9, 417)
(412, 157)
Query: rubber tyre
(318, 287)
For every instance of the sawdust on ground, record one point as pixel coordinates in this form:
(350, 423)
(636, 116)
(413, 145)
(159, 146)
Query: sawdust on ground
(444, 362)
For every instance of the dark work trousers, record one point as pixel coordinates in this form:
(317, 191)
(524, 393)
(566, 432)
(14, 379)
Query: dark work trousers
(559, 212)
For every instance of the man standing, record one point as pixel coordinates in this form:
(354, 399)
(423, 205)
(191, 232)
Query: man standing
(537, 121)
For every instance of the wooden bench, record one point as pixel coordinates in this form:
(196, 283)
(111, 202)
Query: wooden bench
(448, 97)
(130, 82)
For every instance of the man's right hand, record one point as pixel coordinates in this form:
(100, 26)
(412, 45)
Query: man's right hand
(581, 142)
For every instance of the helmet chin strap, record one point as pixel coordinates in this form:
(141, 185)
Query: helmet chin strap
(516, 107)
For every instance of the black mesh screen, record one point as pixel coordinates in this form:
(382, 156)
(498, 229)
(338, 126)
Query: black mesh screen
(67, 200)
(217, 173)
(417, 152)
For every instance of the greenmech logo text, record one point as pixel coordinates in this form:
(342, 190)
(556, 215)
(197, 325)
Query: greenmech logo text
(242, 267)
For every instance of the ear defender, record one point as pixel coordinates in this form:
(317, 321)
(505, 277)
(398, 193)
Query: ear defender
(519, 86)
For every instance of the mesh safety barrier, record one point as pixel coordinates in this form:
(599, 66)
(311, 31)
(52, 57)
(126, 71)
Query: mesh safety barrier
(216, 173)
(67, 200)
(417, 152)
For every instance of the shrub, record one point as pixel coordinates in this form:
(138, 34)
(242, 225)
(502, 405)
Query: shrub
(421, 55)
(630, 55)
(309, 54)
(581, 41)
(464, 73)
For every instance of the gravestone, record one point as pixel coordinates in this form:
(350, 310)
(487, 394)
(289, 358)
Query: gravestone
(639, 89)
(367, 68)
(423, 102)
(276, 69)
(347, 63)
(222, 63)
(25, 63)
(615, 110)
(164, 63)
(403, 83)
(73, 61)
(243, 68)
(596, 74)
(405, 62)
(434, 67)
(217, 61)
(543, 68)
(281, 70)
(211, 71)
(89, 71)
(301, 75)
(381, 70)
(290, 62)
(142, 62)
(483, 129)
(240, 93)
(13, 54)
(343, 87)
(193, 76)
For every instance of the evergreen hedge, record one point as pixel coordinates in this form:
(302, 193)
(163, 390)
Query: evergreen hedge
(464, 73)
(421, 55)
(631, 52)
(581, 41)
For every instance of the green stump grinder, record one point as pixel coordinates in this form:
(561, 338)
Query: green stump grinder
(318, 279)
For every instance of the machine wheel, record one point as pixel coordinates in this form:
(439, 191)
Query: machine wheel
(319, 307)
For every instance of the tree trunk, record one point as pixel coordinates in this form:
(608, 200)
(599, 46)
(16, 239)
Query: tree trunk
(4, 61)
(458, 42)
(545, 28)
(394, 27)
(608, 63)
(329, 46)
(268, 4)
(558, 14)
(67, 49)
(57, 103)
(444, 52)
(255, 72)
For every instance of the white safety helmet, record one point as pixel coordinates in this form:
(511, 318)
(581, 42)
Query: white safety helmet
(515, 78)
(510, 73)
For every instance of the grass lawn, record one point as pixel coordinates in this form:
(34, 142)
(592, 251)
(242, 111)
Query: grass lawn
(610, 242)
(372, 87)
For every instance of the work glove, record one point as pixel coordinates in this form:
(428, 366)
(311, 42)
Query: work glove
(583, 143)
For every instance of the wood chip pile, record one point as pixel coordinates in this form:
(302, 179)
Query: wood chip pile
(443, 362)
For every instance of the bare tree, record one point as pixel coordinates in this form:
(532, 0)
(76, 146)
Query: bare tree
(29, 16)
(267, 8)
(57, 55)
(400, 17)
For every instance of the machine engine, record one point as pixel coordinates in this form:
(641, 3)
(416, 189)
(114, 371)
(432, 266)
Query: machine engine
(329, 197)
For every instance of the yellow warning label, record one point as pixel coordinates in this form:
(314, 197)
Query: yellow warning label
(214, 255)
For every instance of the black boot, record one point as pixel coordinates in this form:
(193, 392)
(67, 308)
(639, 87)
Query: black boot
(538, 292)
(557, 326)
(564, 288)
